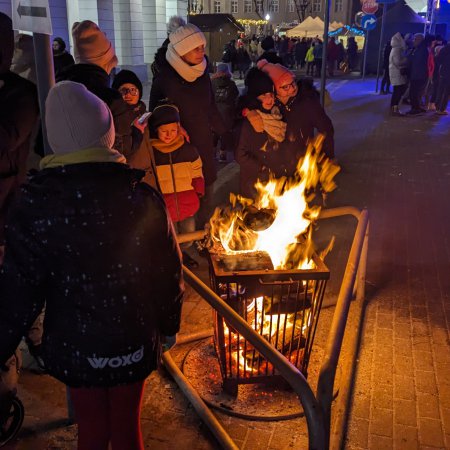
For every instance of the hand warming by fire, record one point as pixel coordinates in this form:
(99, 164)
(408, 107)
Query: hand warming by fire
(279, 220)
(264, 266)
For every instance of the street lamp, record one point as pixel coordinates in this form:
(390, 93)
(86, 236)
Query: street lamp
(267, 17)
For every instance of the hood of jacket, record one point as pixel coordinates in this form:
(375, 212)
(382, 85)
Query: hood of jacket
(92, 76)
(397, 41)
(6, 43)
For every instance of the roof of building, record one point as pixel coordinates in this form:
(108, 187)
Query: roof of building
(213, 22)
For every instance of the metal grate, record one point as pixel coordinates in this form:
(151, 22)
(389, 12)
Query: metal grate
(283, 306)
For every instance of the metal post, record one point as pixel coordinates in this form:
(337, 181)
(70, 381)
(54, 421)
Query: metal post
(323, 80)
(45, 77)
(366, 46)
(383, 21)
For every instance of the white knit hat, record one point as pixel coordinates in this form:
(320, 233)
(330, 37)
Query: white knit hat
(76, 119)
(186, 38)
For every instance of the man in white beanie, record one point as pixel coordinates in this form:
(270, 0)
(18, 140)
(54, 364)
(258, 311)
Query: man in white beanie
(96, 244)
(95, 58)
(183, 79)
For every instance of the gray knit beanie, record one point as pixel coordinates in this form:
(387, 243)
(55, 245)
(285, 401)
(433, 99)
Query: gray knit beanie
(77, 119)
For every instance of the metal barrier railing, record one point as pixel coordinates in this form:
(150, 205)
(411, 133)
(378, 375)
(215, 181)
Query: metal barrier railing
(317, 410)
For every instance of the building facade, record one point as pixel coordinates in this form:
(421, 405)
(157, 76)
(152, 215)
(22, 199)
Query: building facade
(136, 27)
(279, 11)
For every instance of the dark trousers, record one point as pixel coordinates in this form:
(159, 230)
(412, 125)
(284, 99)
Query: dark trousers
(310, 68)
(386, 81)
(443, 92)
(318, 66)
(416, 88)
(398, 94)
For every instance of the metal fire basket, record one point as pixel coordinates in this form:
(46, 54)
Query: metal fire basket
(282, 306)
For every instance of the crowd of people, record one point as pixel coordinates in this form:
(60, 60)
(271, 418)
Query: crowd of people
(294, 53)
(88, 241)
(418, 69)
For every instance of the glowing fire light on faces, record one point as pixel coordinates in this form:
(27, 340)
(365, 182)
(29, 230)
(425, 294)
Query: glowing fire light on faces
(292, 213)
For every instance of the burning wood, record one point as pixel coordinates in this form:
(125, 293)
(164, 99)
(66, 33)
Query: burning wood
(263, 265)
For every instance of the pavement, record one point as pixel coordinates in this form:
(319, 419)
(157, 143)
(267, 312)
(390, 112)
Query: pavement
(399, 168)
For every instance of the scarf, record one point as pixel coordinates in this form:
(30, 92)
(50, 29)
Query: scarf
(273, 124)
(189, 73)
(97, 154)
(168, 148)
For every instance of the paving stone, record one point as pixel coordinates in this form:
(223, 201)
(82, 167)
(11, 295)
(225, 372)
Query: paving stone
(257, 439)
(403, 365)
(425, 381)
(405, 412)
(382, 395)
(380, 442)
(381, 422)
(430, 433)
(404, 387)
(405, 438)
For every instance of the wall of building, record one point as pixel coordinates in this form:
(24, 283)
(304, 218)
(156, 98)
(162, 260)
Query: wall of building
(137, 28)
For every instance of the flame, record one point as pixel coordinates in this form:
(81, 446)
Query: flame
(288, 202)
(268, 326)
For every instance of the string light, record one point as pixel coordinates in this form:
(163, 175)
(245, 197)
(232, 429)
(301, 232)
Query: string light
(252, 21)
(352, 30)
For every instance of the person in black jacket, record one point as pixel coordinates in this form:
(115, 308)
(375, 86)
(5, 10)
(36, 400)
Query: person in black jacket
(443, 90)
(226, 94)
(259, 151)
(269, 54)
(61, 57)
(141, 155)
(386, 81)
(301, 108)
(184, 80)
(97, 246)
(418, 74)
(95, 58)
(19, 112)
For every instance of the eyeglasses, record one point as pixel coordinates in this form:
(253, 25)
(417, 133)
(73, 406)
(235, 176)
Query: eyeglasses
(286, 87)
(131, 91)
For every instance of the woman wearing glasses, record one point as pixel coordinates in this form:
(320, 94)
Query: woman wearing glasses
(300, 105)
(141, 154)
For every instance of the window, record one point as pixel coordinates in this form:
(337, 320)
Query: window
(291, 6)
(217, 6)
(234, 6)
(247, 6)
(338, 6)
(259, 6)
(316, 5)
(274, 6)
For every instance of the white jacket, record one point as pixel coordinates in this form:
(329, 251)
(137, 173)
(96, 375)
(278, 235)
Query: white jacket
(397, 61)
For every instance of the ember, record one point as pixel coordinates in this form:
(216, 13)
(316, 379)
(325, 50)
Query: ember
(262, 263)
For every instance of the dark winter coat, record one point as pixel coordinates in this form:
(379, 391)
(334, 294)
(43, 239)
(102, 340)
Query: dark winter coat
(198, 111)
(225, 95)
(300, 51)
(271, 56)
(142, 155)
(19, 113)
(97, 247)
(418, 62)
(97, 81)
(258, 156)
(304, 115)
(61, 61)
(443, 60)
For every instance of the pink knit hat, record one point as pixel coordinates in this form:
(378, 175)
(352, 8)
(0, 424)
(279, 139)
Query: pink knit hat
(278, 73)
(91, 46)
